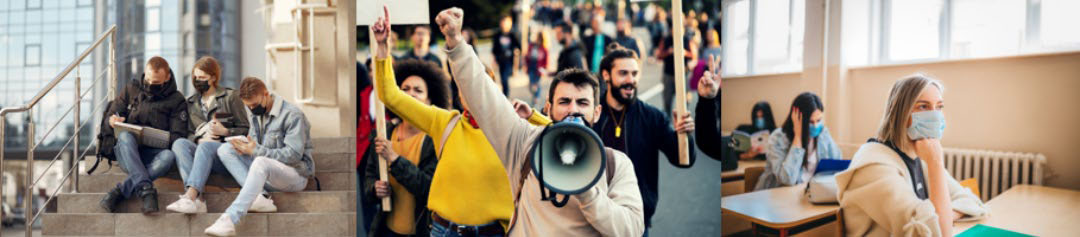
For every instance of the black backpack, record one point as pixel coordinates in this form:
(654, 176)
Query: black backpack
(106, 140)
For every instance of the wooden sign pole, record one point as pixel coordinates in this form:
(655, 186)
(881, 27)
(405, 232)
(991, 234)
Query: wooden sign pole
(677, 29)
(380, 118)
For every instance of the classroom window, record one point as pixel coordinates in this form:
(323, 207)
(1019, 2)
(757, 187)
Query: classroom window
(983, 28)
(912, 29)
(1057, 23)
(934, 30)
(763, 36)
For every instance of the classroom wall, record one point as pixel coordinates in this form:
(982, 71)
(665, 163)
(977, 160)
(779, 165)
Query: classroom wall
(1021, 103)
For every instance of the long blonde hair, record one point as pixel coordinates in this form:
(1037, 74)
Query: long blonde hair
(898, 109)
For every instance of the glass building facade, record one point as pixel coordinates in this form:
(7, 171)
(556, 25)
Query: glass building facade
(39, 38)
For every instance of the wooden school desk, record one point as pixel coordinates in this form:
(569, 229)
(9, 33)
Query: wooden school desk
(1032, 210)
(739, 174)
(782, 209)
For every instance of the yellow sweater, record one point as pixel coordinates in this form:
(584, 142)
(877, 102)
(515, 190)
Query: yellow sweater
(470, 186)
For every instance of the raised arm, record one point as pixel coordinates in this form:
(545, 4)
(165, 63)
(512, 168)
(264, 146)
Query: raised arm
(506, 132)
(423, 117)
(708, 110)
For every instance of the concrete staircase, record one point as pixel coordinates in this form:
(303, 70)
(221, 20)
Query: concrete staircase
(330, 212)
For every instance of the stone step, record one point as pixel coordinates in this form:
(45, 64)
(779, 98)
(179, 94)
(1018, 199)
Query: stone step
(102, 183)
(331, 162)
(334, 144)
(299, 202)
(176, 224)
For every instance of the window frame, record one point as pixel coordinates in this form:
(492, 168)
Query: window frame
(751, 66)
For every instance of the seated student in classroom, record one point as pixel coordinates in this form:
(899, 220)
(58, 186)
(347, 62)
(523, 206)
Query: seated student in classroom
(897, 184)
(762, 118)
(796, 148)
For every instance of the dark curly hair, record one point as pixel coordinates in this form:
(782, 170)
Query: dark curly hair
(438, 91)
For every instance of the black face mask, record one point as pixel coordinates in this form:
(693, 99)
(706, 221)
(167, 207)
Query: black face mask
(259, 110)
(202, 86)
(154, 87)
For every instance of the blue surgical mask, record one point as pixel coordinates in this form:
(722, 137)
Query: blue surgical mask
(815, 129)
(927, 124)
(759, 123)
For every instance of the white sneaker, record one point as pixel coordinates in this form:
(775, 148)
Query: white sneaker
(262, 204)
(222, 227)
(187, 206)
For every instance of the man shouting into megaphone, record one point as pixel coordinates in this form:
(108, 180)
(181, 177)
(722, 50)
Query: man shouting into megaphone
(576, 191)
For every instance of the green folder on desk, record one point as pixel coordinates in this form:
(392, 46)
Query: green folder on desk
(984, 230)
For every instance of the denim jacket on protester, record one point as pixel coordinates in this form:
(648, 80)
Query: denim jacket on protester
(286, 137)
(783, 166)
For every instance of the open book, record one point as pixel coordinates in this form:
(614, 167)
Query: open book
(742, 141)
(147, 136)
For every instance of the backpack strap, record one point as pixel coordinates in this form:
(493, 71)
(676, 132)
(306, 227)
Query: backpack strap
(446, 132)
(610, 170)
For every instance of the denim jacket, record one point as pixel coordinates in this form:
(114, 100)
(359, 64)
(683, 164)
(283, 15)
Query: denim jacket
(287, 136)
(783, 165)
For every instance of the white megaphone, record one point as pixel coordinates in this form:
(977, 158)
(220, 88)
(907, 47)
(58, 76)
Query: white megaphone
(567, 159)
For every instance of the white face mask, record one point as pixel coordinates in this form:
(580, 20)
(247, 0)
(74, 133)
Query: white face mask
(927, 124)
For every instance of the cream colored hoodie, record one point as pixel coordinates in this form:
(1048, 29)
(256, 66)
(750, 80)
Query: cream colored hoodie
(877, 199)
(607, 209)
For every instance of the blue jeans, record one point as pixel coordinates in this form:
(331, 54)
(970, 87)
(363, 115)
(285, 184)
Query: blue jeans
(506, 69)
(438, 230)
(534, 82)
(142, 164)
(264, 172)
(196, 162)
(237, 164)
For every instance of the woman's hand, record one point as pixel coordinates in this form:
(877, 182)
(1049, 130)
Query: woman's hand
(382, 147)
(217, 128)
(381, 31)
(796, 122)
(382, 189)
(929, 150)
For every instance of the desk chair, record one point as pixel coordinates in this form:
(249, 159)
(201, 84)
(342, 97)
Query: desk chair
(750, 177)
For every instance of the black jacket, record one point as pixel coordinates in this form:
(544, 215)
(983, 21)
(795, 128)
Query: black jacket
(647, 131)
(571, 56)
(707, 119)
(415, 178)
(225, 101)
(163, 109)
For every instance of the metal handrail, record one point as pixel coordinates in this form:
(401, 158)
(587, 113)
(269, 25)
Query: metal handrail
(110, 34)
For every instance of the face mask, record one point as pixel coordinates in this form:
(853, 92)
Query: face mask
(202, 86)
(927, 124)
(759, 123)
(154, 87)
(815, 129)
(259, 110)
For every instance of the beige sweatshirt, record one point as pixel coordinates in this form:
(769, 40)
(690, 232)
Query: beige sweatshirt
(877, 199)
(607, 209)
